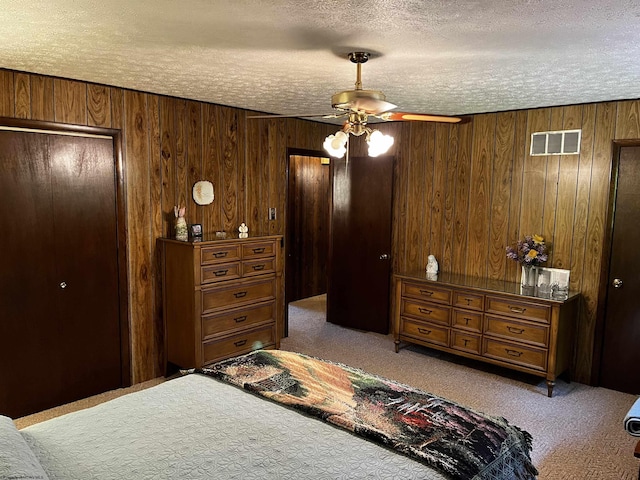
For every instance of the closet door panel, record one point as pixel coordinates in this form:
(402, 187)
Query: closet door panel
(29, 364)
(84, 213)
(59, 286)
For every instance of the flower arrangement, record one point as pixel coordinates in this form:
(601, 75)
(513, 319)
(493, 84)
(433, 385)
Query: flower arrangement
(529, 252)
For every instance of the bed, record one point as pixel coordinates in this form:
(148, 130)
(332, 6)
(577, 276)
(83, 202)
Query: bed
(269, 415)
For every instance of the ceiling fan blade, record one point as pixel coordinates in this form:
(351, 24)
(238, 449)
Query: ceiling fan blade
(371, 102)
(322, 115)
(371, 106)
(420, 117)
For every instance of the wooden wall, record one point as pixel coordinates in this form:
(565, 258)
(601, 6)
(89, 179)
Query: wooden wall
(464, 192)
(169, 144)
(308, 217)
(461, 192)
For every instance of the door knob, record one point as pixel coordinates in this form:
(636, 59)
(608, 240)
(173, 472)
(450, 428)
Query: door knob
(63, 284)
(617, 283)
(384, 256)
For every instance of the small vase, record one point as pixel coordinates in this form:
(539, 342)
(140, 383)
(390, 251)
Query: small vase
(182, 232)
(529, 274)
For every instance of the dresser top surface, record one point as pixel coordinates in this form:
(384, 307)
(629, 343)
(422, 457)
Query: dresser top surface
(211, 239)
(484, 284)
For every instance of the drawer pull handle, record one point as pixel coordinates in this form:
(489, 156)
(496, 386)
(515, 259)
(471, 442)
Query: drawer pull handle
(220, 254)
(240, 343)
(513, 353)
(424, 331)
(258, 267)
(517, 309)
(469, 300)
(466, 320)
(516, 330)
(425, 311)
(240, 294)
(240, 319)
(258, 250)
(221, 273)
(466, 341)
(426, 292)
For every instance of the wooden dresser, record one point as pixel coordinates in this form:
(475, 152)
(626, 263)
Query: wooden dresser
(221, 298)
(487, 320)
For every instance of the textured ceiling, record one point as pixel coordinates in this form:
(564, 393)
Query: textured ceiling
(289, 57)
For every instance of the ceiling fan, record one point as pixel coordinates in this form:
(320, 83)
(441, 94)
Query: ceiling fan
(356, 106)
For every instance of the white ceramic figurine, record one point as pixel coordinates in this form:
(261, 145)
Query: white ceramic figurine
(432, 266)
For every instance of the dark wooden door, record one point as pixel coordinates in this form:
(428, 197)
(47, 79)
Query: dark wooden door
(307, 227)
(621, 342)
(29, 367)
(360, 243)
(59, 308)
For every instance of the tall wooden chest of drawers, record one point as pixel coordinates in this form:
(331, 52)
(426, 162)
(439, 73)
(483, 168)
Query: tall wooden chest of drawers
(487, 320)
(221, 298)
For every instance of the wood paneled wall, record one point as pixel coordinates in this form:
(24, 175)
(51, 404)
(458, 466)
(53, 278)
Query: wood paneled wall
(464, 192)
(461, 192)
(169, 144)
(308, 217)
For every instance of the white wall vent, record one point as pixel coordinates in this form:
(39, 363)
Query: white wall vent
(562, 142)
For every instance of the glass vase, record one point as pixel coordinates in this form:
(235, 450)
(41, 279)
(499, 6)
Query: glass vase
(529, 274)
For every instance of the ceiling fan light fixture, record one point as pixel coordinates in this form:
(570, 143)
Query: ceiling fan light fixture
(336, 145)
(379, 143)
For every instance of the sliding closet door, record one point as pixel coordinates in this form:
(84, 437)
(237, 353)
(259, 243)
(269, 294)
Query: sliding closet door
(59, 307)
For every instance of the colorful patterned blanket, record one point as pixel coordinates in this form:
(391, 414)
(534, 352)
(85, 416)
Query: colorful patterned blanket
(459, 442)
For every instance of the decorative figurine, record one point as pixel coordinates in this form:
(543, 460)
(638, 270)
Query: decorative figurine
(182, 232)
(432, 268)
(244, 231)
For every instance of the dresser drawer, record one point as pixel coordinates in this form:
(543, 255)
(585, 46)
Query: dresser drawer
(219, 254)
(426, 292)
(241, 318)
(219, 272)
(519, 309)
(228, 296)
(467, 342)
(530, 357)
(471, 301)
(426, 311)
(258, 267)
(471, 321)
(427, 332)
(532, 333)
(238, 344)
(266, 248)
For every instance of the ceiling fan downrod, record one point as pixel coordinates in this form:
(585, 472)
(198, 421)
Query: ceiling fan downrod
(359, 58)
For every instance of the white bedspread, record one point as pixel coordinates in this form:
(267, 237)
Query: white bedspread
(17, 461)
(195, 427)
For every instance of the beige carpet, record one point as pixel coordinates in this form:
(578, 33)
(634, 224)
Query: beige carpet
(82, 404)
(578, 434)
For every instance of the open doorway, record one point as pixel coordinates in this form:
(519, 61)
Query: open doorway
(307, 232)
(339, 216)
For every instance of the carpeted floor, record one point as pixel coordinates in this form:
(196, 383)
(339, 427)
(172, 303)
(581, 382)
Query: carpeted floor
(82, 404)
(578, 434)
